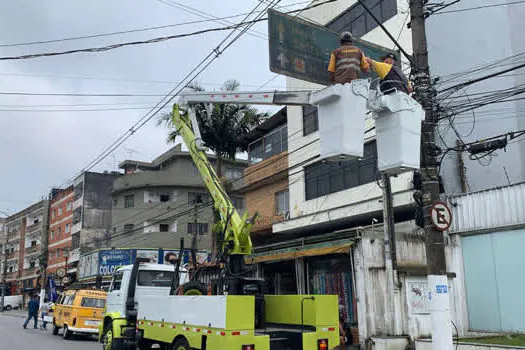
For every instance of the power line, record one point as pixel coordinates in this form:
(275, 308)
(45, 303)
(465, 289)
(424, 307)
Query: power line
(199, 68)
(480, 7)
(149, 41)
(133, 30)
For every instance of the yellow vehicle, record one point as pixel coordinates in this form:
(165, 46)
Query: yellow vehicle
(79, 311)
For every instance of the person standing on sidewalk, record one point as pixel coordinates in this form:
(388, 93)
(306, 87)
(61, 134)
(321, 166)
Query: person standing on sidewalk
(32, 311)
(44, 311)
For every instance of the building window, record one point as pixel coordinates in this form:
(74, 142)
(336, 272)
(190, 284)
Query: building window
(129, 201)
(53, 214)
(69, 206)
(323, 178)
(282, 200)
(60, 211)
(59, 232)
(164, 198)
(114, 231)
(57, 253)
(359, 22)
(310, 120)
(269, 145)
(233, 174)
(52, 235)
(197, 197)
(115, 203)
(128, 228)
(68, 228)
(164, 227)
(238, 202)
(33, 243)
(198, 228)
(32, 264)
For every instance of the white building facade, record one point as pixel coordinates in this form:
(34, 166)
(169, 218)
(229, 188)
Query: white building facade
(331, 200)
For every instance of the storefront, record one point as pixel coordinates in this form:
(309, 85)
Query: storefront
(323, 268)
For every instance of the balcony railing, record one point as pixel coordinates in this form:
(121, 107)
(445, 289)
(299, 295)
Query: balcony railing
(30, 271)
(33, 249)
(12, 255)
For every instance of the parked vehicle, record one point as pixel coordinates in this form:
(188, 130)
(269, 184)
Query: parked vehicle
(78, 311)
(12, 302)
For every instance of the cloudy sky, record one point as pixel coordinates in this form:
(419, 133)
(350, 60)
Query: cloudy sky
(41, 147)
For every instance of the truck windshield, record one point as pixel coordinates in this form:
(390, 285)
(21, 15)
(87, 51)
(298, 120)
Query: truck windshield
(92, 302)
(150, 278)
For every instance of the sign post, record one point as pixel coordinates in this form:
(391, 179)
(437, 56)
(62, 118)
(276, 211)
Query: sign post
(301, 49)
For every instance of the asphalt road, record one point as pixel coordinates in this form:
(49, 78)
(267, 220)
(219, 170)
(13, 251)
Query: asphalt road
(13, 336)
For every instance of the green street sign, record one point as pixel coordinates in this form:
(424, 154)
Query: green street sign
(301, 49)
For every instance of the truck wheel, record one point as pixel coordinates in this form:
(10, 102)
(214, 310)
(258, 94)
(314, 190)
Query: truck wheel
(8, 308)
(180, 344)
(66, 333)
(194, 288)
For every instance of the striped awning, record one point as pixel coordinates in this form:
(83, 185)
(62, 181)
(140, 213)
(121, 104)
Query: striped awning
(338, 247)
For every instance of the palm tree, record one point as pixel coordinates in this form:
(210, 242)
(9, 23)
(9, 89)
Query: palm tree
(223, 130)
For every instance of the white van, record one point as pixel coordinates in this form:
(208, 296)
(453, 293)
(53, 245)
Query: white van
(12, 302)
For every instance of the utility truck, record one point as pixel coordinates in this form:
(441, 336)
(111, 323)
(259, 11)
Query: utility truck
(150, 304)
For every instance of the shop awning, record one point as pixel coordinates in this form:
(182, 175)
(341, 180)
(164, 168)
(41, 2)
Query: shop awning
(300, 251)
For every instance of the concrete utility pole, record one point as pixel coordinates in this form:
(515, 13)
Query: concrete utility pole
(435, 244)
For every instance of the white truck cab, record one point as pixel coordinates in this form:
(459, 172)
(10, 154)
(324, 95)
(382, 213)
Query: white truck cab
(153, 280)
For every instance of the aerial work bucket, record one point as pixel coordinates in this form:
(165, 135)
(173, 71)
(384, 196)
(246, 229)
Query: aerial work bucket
(398, 131)
(341, 112)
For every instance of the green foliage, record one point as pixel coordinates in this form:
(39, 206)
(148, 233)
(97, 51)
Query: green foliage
(223, 130)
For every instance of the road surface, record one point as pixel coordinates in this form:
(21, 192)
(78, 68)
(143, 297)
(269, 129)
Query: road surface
(13, 336)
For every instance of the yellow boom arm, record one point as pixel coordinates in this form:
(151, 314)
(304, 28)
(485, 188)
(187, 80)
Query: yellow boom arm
(237, 237)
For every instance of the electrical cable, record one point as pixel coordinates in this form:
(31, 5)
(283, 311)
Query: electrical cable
(135, 30)
(481, 7)
(247, 25)
(197, 70)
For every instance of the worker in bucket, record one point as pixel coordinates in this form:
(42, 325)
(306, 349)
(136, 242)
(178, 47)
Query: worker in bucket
(347, 61)
(392, 78)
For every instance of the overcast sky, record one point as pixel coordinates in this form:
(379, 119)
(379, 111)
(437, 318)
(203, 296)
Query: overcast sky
(40, 150)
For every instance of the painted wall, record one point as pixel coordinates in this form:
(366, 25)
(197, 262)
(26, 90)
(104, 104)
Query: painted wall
(411, 316)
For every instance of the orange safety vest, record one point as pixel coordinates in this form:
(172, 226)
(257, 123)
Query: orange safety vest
(347, 63)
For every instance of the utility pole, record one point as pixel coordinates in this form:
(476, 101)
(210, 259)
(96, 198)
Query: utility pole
(435, 244)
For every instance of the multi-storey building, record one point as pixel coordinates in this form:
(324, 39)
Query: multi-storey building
(91, 214)
(25, 245)
(60, 240)
(156, 204)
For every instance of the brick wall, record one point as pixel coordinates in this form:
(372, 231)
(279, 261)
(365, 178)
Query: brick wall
(262, 200)
(266, 168)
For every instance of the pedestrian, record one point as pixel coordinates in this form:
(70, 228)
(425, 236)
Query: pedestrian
(347, 61)
(44, 311)
(392, 78)
(32, 311)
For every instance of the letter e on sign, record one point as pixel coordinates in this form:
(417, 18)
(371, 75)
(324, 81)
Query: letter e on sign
(441, 216)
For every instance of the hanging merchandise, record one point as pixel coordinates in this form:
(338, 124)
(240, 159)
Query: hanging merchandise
(332, 275)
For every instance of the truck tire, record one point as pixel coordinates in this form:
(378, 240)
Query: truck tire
(194, 288)
(8, 308)
(180, 344)
(66, 333)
